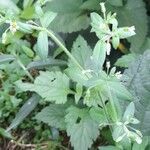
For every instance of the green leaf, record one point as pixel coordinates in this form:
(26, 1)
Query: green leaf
(24, 27)
(42, 44)
(76, 75)
(52, 86)
(28, 13)
(126, 60)
(70, 18)
(78, 94)
(47, 18)
(92, 97)
(27, 3)
(60, 6)
(116, 2)
(133, 13)
(6, 58)
(98, 115)
(143, 145)
(137, 79)
(115, 41)
(5, 134)
(28, 51)
(81, 51)
(109, 148)
(129, 112)
(24, 111)
(81, 128)
(90, 5)
(99, 54)
(9, 4)
(53, 115)
(71, 22)
(98, 25)
(39, 64)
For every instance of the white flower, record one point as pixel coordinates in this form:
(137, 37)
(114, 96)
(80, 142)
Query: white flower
(108, 48)
(108, 65)
(103, 7)
(118, 74)
(13, 26)
(4, 38)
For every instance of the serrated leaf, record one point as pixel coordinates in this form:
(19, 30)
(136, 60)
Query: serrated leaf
(126, 60)
(47, 18)
(38, 64)
(137, 79)
(70, 18)
(6, 58)
(53, 115)
(133, 14)
(81, 51)
(81, 128)
(42, 44)
(98, 115)
(71, 22)
(24, 111)
(52, 86)
(76, 75)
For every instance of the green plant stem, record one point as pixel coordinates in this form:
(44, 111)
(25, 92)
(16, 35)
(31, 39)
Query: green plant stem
(56, 40)
(59, 43)
(25, 69)
(105, 111)
(112, 103)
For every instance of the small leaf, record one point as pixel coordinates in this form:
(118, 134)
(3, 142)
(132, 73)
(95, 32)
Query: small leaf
(118, 133)
(126, 60)
(39, 64)
(6, 58)
(42, 44)
(47, 18)
(24, 111)
(126, 32)
(28, 51)
(129, 112)
(99, 54)
(81, 51)
(53, 115)
(24, 27)
(5, 134)
(115, 41)
(78, 94)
